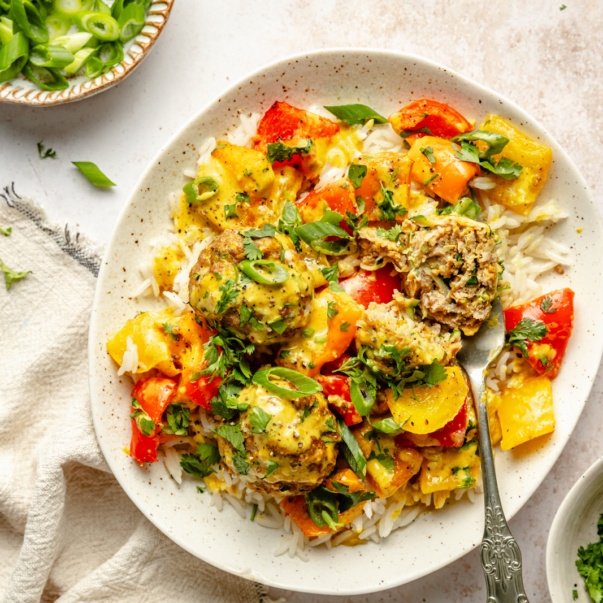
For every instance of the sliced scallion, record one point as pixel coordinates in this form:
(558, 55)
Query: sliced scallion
(131, 21)
(101, 26)
(200, 189)
(13, 57)
(51, 55)
(304, 386)
(265, 272)
(74, 41)
(79, 59)
(93, 173)
(6, 30)
(30, 21)
(45, 78)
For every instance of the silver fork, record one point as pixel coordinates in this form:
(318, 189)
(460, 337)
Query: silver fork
(500, 554)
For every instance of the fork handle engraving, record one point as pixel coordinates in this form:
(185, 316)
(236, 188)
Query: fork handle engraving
(500, 555)
(501, 560)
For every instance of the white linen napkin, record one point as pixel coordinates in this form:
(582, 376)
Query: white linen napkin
(68, 532)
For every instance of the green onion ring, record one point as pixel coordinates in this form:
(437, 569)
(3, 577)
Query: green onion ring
(306, 386)
(131, 21)
(44, 77)
(265, 272)
(101, 26)
(200, 189)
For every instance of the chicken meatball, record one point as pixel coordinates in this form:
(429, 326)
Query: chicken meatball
(391, 341)
(289, 446)
(454, 271)
(265, 301)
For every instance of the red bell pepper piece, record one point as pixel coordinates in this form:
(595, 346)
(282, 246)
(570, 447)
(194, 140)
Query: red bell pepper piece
(339, 386)
(556, 311)
(427, 117)
(368, 286)
(150, 398)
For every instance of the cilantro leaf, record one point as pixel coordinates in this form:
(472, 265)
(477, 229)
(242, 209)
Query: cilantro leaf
(388, 210)
(546, 305)
(178, 418)
(145, 424)
(259, 419)
(45, 153)
(527, 330)
(239, 460)
(252, 251)
(590, 564)
(434, 373)
(428, 152)
(356, 174)
(229, 295)
(332, 311)
(232, 434)
(200, 464)
(331, 273)
(278, 152)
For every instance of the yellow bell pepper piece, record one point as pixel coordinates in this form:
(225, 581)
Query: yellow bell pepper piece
(520, 194)
(526, 411)
(426, 409)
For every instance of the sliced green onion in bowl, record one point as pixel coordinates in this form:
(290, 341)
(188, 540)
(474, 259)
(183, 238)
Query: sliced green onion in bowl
(74, 41)
(93, 173)
(45, 78)
(200, 189)
(79, 59)
(6, 30)
(53, 56)
(13, 57)
(30, 21)
(101, 26)
(265, 272)
(72, 7)
(304, 386)
(131, 21)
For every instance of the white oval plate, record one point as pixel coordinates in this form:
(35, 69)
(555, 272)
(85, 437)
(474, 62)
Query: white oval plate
(385, 81)
(575, 525)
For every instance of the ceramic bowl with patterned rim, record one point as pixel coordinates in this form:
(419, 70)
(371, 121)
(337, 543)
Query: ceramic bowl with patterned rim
(21, 91)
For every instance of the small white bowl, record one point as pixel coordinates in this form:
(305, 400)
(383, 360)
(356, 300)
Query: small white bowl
(575, 525)
(21, 91)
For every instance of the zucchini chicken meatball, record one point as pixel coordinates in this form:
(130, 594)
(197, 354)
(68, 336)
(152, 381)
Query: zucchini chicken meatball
(288, 447)
(449, 263)
(265, 300)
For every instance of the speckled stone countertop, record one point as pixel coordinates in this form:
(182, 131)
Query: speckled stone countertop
(543, 55)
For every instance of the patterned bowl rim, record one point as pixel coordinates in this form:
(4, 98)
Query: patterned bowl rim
(21, 91)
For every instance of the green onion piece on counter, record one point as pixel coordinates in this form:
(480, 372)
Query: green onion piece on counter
(13, 57)
(305, 386)
(264, 272)
(45, 77)
(12, 276)
(53, 56)
(93, 173)
(101, 26)
(200, 189)
(29, 21)
(131, 21)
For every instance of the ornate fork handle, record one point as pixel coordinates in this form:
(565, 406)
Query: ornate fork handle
(500, 554)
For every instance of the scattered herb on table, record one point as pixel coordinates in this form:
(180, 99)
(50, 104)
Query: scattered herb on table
(6, 231)
(46, 153)
(12, 276)
(93, 173)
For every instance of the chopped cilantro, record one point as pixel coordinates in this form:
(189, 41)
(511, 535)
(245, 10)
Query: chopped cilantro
(278, 152)
(391, 234)
(45, 153)
(430, 180)
(259, 419)
(388, 210)
(331, 273)
(144, 422)
(344, 326)
(527, 330)
(169, 330)
(546, 305)
(332, 311)
(232, 434)
(178, 418)
(229, 295)
(428, 152)
(356, 174)
(272, 467)
(590, 564)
